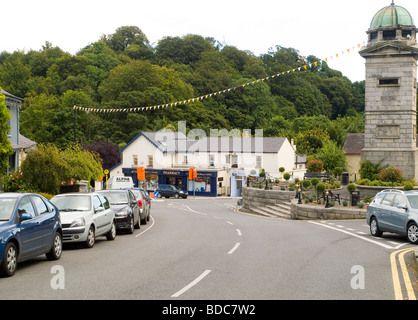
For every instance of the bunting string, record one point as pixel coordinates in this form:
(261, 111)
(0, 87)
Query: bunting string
(207, 96)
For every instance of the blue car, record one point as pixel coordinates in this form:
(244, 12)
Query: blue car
(30, 225)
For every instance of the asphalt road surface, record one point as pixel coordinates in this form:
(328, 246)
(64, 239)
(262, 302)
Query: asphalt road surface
(203, 249)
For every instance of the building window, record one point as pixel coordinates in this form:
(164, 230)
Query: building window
(150, 162)
(258, 162)
(389, 34)
(211, 160)
(389, 82)
(185, 160)
(373, 36)
(200, 185)
(235, 161)
(135, 159)
(227, 158)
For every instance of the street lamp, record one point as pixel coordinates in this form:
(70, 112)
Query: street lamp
(299, 198)
(327, 202)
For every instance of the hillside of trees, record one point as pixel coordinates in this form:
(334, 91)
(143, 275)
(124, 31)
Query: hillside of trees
(123, 70)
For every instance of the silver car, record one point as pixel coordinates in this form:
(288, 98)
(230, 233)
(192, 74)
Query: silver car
(394, 211)
(144, 202)
(85, 216)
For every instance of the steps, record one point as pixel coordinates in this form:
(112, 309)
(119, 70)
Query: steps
(279, 210)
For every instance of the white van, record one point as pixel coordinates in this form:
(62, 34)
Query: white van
(120, 183)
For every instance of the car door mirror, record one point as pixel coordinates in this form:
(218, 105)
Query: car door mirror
(99, 209)
(23, 215)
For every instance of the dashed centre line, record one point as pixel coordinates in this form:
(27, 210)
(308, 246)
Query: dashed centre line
(234, 248)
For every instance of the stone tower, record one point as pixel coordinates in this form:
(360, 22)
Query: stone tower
(391, 91)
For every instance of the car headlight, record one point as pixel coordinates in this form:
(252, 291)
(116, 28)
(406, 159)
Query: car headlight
(122, 213)
(80, 222)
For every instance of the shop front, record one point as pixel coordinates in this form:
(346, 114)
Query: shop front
(204, 185)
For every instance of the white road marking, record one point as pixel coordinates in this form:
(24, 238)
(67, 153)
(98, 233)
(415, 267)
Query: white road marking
(191, 284)
(239, 232)
(354, 235)
(234, 248)
(153, 221)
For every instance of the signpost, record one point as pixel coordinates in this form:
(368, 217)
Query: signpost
(106, 172)
(193, 176)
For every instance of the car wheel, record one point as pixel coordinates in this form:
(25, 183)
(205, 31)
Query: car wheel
(56, 250)
(374, 228)
(138, 223)
(91, 238)
(412, 233)
(131, 225)
(111, 235)
(9, 263)
(176, 195)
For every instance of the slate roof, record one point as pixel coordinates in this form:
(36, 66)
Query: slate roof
(354, 143)
(11, 97)
(173, 142)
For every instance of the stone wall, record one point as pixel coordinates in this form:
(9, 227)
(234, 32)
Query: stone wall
(254, 197)
(313, 212)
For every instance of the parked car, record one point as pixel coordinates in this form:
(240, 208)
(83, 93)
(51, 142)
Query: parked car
(85, 216)
(168, 190)
(29, 226)
(144, 200)
(394, 211)
(126, 207)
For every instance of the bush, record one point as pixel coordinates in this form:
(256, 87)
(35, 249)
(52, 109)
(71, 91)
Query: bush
(315, 165)
(351, 187)
(306, 184)
(314, 181)
(369, 170)
(320, 187)
(391, 174)
(13, 182)
(408, 186)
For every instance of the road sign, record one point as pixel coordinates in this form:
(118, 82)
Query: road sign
(106, 171)
(156, 194)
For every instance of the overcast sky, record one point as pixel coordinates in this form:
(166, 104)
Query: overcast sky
(321, 28)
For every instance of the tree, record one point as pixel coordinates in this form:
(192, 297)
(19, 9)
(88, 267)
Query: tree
(46, 168)
(6, 149)
(108, 152)
(81, 164)
(43, 169)
(310, 141)
(332, 157)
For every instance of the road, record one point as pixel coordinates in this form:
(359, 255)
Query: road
(202, 249)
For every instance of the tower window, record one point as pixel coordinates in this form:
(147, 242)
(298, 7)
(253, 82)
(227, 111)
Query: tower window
(389, 34)
(389, 82)
(406, 33)
(373, 35)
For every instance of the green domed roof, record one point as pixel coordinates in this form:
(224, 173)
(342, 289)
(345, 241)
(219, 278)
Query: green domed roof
(392, 15)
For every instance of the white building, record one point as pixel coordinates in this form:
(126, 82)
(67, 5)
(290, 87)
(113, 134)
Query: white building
(222, 163)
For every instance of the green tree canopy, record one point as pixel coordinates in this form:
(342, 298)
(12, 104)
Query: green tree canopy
(6, 149)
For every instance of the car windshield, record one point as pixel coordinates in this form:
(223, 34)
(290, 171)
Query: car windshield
(72, 203)
(7, 206)
(413, 200)
(116, 197)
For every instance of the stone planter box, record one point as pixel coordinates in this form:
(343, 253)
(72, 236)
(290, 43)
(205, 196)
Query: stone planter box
(313, 212)
(371, 191)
